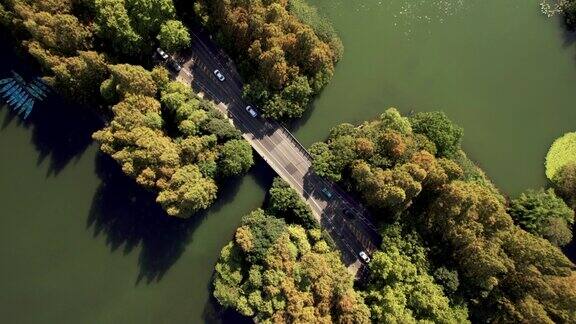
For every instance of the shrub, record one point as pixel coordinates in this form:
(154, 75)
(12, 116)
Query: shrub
(562, 151)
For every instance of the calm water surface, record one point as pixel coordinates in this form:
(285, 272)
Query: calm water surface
(500, 69)
(81, 243)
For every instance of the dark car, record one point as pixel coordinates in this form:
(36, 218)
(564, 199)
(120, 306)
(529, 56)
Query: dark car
(173, 65)
(348, 213)
(327, 193)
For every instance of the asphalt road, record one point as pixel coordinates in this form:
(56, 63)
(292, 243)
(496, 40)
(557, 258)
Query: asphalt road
(280, 150)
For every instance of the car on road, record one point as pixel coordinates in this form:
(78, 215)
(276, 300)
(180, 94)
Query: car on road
(252, 111)
(162, 54)
(173, 65)
(364, 256)
(348, 213)
(219, 75)
(327, 193)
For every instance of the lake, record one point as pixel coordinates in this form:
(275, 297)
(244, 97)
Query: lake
(500, 69)
(81, 243)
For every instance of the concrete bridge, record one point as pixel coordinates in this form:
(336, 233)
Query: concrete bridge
(281, 150)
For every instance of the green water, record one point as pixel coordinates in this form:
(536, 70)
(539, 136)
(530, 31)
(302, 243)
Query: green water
(500, 69)
(86, 245)
(81, 243)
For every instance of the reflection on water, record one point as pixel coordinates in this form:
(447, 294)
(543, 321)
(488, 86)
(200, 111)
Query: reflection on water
(82, 242)
(129, 217)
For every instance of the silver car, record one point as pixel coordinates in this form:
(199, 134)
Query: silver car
(364, 257)
(252, 111)
(219, 75)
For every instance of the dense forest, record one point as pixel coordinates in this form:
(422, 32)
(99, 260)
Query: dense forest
(278, 268)
(162, 134)
(284, 49)
(442, 218)
(454, 248)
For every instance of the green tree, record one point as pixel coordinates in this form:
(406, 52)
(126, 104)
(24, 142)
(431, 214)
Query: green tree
(173, 36)
(284, 202)
(146, 16)
(544, 214)
(62, 33)
(272, 272)
(188, 191)
(438, 128)
(222, 129)
(562, 152)
(133, 79)
(113, 24)
(565, 183)
(235, 157)
(391, 119)
(323, 161)
(79, 77)
(400, 289)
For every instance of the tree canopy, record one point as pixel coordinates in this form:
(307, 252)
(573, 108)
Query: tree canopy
(283, 273)
(412, 171)
(544, 214)
(439, 129)
(565, 183)
(173, 36)
(284, 56)
(130, 26)
(286, 203)
(562, 152)
(400, 288)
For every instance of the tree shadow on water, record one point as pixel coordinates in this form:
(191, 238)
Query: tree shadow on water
(213, 313)
(129, 217)
(61, 130)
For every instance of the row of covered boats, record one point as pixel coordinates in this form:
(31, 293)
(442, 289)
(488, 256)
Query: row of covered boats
(20, 95)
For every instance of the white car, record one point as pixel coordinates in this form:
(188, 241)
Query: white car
(252, 111)
(162, 54)
(364, 257)
(219, 75)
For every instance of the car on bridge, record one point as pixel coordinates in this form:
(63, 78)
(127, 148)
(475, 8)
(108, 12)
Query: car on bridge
(327, 193)
(173, 65)
(252, 111)
(364, 256)
(219, 75)
(348, 213)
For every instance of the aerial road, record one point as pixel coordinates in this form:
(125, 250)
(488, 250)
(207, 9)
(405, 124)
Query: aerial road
(211, 72)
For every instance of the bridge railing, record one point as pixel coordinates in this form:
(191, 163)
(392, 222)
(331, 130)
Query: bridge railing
(294, 140)
(346, 197)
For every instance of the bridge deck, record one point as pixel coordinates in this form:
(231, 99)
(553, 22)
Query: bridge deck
(281, 150)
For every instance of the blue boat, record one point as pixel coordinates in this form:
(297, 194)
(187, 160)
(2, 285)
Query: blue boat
(36, 91)
(17, 96)
(20, 95)
(8, 85)
(28, 108)
(19, 103)
(11, 92)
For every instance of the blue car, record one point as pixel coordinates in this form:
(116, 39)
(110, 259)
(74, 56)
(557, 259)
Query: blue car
(327, 193)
